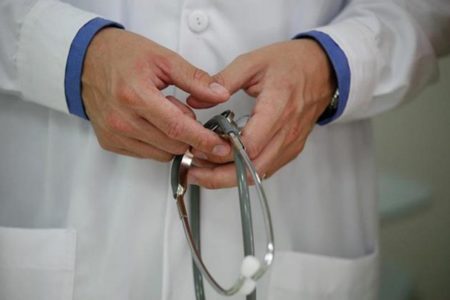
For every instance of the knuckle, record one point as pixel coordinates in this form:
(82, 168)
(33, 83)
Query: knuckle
(190, 114)
(175, 129)
(199, 75)
(293, 133)
(203, 144)
(220, 79)
(253, 150)
(260, 170)
(262, 173)
(126, 95)
(289, 112)
(211, 184)
(115, 122)
(171, 57)
(284, 84)
(250, 180)
(165, 62)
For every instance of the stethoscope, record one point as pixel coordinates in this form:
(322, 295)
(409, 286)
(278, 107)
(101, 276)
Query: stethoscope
(252, 269)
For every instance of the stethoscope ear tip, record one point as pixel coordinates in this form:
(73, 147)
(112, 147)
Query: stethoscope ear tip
(247, 287)
(250, 265)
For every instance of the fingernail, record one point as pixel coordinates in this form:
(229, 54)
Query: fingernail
(201, 155)
(219, 89)
(221, 150)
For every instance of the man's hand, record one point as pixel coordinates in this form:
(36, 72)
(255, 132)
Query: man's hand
(293, 83)
(121, 82)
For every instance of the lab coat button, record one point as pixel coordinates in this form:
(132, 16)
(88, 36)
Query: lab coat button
(198, 21)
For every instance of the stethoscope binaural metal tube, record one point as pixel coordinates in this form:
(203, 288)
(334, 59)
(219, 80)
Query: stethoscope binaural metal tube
(246, 212)
(252, 269)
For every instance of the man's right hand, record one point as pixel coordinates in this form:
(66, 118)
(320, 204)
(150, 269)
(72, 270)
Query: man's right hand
(122, 77)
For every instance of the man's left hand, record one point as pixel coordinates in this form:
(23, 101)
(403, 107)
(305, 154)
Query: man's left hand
(293, 82)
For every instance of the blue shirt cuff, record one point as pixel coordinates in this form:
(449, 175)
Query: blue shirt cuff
(341, 67)
(75, 60)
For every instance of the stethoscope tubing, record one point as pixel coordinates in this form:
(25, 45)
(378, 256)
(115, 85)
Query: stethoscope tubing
(192, 231)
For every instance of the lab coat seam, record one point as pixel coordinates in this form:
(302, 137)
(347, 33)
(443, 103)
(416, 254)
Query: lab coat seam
(19, 44)
(20, 49)
(72, 257)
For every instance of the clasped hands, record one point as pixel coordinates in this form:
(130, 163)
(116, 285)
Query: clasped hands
(123, 75)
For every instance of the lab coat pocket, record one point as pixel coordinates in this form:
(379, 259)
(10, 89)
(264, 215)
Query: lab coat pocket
(37, 264)
(313, 277)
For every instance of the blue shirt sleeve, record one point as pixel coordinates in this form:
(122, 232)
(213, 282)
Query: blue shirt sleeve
(341, 67)
(75, 60)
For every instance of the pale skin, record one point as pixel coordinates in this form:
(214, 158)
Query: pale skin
(292, 82)
(122, 79)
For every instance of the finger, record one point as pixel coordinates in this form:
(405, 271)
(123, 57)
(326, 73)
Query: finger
(125, 152)
(266, 120)
(268, 162)
(122, 123)
(144, 150)
(149, 134)
(176, 125)
(198, 104)
(220, 176)
(213, 158)
(197, 82)
(289, 152)
(235, 76)
(181, 106)
(286, 144)
(224, 176)
(197, 162)
(239, 72)
(128, 146)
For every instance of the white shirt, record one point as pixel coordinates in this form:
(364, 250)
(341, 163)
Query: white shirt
(95, 225)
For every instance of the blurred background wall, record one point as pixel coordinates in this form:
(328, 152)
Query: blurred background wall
(413, 154)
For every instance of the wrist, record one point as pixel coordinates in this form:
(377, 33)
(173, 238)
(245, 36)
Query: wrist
(324, 66)
(76, 61)
(333, 89)
(341, 72)
(98, 46)
(321, 70)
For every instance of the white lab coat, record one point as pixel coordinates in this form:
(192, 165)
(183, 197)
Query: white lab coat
(80, 223)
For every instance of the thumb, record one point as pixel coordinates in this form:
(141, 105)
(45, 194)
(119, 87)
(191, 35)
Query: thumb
(234, 77)
(197, 82)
